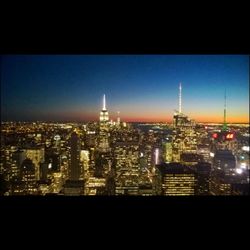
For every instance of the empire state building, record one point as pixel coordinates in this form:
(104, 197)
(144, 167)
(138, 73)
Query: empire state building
(103, 135)
(104, 115)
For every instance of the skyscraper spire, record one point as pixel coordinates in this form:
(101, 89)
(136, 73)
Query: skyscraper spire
(104, 103)
(225, 110)
(104, 115)
(118, 117)
(180, 98)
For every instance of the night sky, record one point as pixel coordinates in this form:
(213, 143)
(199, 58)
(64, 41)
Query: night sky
(141, 87)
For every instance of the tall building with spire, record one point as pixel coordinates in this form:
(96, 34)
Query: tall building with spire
(104, 128)
(226, 138)
(181, 120)
(184, 137)
(104, 115)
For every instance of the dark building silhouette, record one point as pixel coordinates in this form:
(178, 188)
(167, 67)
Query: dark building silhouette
(75, 169)
(224, 160)
(44, 170)
(191, 158)
(203, 178)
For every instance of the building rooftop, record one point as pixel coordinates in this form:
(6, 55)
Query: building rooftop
(174, 168)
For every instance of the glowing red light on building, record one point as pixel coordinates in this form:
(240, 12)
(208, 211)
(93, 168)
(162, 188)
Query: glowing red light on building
(215, 135)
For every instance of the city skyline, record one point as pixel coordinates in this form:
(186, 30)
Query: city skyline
(143, 88)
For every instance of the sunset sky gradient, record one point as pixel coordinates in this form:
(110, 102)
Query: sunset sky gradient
(142, 87)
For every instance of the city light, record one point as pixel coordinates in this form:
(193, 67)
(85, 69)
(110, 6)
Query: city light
(168, 141)
(230, 136)
(245, 148)
(157, 156)
(211, 154)
(243, 165)
(239, 171)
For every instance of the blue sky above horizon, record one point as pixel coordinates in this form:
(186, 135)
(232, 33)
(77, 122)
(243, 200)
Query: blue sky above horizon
(141, 87)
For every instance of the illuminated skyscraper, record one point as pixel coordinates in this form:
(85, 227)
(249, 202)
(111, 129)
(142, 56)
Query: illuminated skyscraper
(18, 158)
(168, 150)
(104, 135)
(28, 170)
(104, 115)
(184, 136)
(176, 179)
(226, 138)
(37, 157)
(156, 153)
(84, 161)
(127, 167)
(57, 143)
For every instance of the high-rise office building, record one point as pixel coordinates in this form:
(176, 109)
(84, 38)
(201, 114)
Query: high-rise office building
(37, 157)
(28, 176)
(104, 128)
(220, 184)
(127, 167)
(84, 161)
(204, 151)
(18, 157)
(225, 139)
(53, 157)
(224, 160)
(75, 184)
(57, 143)
(190, 159)
(168, 154)
(184, 136)
(176, 179)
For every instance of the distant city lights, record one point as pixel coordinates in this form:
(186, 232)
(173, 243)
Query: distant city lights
(243, 165)
(230, 136)
(238, 170)
(245, 148)
(211, 154)
(97, 152)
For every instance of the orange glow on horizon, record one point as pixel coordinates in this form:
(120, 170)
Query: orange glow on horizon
(169, 119)
(219, 119)
(92, 116)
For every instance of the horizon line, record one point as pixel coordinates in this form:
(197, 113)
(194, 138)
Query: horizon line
(136, 121)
